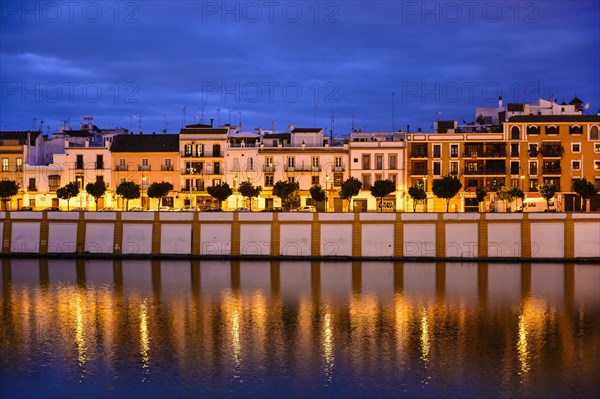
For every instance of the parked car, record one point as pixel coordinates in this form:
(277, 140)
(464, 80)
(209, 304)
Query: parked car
(212, 210)
(52, 209)
(536, 205)
(79, 209)
(306, 208)
(107, 209)
(26, 208)
(242, 209)
(186, 208)
(136, 209)
(165, 209)
(273, 209)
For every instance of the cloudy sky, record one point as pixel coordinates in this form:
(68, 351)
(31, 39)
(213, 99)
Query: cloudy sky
(379, 65)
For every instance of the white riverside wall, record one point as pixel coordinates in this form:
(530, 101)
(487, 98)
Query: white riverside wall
(400, 235)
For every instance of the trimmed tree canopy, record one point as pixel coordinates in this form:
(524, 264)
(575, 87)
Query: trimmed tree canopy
(446, 187)
(381, 188)
(418, 195)
(8, 189)
(220, 192)
(159, 191)
(547, 192)
(128, 190)
(317, 193)
(249, 191)
(285, 190)
(67, 192)
(350, 188)
(96, 190)
(585, 189)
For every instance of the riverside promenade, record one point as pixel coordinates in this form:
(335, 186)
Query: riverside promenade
(293, 235)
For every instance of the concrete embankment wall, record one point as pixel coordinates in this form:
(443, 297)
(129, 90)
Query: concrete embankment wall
(403, 235)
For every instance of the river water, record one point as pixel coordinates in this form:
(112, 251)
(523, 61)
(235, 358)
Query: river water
(298, 329)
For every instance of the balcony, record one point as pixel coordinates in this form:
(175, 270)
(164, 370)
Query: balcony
(269, 168)
(144, 168)
(485, 154)
(99, 165)
(419, 154)
(340, 168)
(31, 188)
(120, 168)
(533, 171)
(166, 168)
(202, 155)
(551, 170)
(78, 165)
(194, 171)
(419, 172)
(302, 168)
(552, 151)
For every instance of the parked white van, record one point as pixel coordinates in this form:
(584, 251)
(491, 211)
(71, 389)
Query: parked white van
(536, 205)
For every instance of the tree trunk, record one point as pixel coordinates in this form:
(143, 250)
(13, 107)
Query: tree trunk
(447, 205)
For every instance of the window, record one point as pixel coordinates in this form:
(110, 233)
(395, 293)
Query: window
(596, 147)
(392, 161)
(19, 164)
(453, 168)
(576, 165)
(533, 168)
(99, 161)
(552, 129)
(269, 162)
(250, 163)
(187, 150)
(291, 179)
(314, 161)
(355, 160)
(79, 162)
(437, 151)
(575, 147)
(437, 168)
(145, 162)
(393, 178)
(168, 162)
(338, 162)
(514, 167)
(216, 182)
(53, 182)
(31, 186)
(314, 180)
(533, 150)
(5, 164)
(122, 164)
(338, 179)
(366, 158)
(378, 162)
(533, 130)
(575, 129)
(378, 177)
(594, 133)
(515, 133)
(597, 166)
(366, 181)
(216, 150)
(79, 179)
(514, 150)
(291, 161)
(453, 150)
(268, 180)
(122, 180)
(217, 168)
(99, 179)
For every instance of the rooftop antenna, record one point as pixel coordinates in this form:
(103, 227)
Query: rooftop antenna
(273, 125)
(353, 122)
(240, 112)
(219, 116)
(202, 115)
(164, 130)
(332, 124)
(183, 116)
(42, 126)
(33, 123)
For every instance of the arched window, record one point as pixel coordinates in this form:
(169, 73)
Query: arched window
(533, 130)
(515, 133)
(594, 133)
(552, 129)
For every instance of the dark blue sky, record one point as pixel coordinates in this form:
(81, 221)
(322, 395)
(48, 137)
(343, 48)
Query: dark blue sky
(289, 62)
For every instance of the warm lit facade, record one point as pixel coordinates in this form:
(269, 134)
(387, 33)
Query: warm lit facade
(377, 156)
(146, 159)
(17, 149)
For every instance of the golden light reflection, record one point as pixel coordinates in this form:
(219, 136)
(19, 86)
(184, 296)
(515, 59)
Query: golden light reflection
(402, 313)
(522, 345)
(235, 338)
(328, 346)
(79, 333)
(425, 344)
(144, 338)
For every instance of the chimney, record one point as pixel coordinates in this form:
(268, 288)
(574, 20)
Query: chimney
(211, 122)
(500, 102)
(80, 125)
(87, 143)
(292, 127)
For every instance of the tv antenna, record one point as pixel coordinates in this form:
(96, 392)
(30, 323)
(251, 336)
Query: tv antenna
(164, 130)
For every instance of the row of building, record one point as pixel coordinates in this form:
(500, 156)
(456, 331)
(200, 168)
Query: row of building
(515, 145)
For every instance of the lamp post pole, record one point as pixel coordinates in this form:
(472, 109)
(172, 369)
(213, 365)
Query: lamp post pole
(326, 193)
(425, 189)
(191, 173)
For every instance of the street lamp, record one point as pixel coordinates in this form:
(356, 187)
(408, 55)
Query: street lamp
(235, 179)
(425, 189)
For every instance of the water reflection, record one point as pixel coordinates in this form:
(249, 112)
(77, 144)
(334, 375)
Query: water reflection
(298, 329)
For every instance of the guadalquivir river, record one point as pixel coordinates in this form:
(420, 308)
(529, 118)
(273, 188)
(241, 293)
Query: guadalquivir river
(298, 329)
